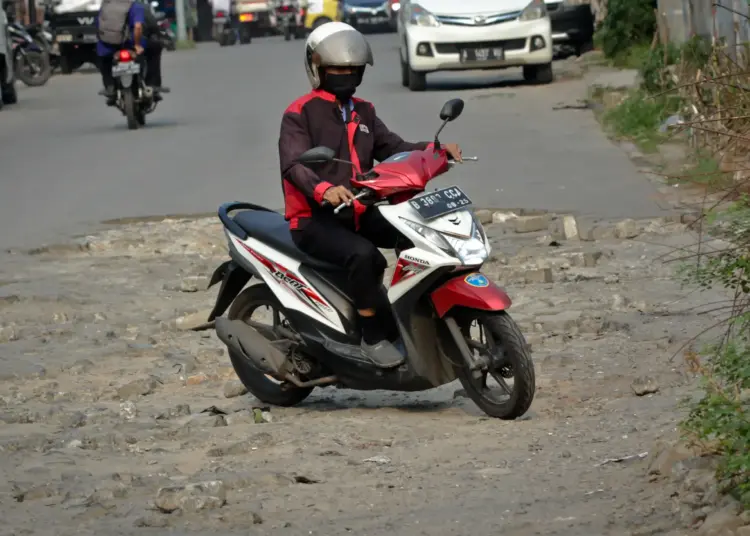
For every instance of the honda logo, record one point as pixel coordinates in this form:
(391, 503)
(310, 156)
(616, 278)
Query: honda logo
(83, 21)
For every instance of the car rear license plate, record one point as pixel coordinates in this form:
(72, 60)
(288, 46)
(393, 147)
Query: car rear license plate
(482, 54)
(440, 202)
(373, 20)
(122, 69)
(247, 17)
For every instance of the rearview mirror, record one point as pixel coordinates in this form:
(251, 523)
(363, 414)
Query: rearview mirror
(451, 109)
(317, 155)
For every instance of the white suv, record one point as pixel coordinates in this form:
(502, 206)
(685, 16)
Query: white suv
(7, 76)
(451, 35)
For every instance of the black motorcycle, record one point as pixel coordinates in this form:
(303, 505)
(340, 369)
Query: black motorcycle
(290, 19)
(133, 97)
(31, 60)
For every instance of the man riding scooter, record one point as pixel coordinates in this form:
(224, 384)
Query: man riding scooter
(335, 59)
(122, 24)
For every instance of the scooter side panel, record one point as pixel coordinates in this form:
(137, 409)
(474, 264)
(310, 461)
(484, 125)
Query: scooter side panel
(282, 274)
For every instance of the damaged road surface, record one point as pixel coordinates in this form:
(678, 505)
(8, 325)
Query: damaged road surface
(116, 418)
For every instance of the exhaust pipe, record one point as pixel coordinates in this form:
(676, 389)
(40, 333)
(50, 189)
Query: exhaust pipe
(247, 342)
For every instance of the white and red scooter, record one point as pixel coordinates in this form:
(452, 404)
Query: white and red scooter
(453, 320)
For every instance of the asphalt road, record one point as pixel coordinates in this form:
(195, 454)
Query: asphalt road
(68, 162)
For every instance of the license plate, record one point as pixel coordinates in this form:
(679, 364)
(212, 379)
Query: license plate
(64, 38)
(373, 20)
(122, 69)
(247, 17)
(440, 202)
(482, 54)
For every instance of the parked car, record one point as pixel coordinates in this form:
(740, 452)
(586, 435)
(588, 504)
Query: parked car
(445, 35)
(322, 11)
(7, 75)
(572, 24)
(367, 14)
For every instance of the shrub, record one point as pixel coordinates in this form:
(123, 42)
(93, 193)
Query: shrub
(627, 23)
(721, 418)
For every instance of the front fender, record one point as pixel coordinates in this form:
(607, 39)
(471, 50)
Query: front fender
(473, 291)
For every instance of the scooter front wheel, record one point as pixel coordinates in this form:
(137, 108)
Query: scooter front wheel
(250, 304)
(497, 340)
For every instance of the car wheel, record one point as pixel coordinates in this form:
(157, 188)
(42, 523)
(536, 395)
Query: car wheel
(417, 80)
(538, 74)
(66, 65)
(404, 71)
(10, 96)
(8, 93)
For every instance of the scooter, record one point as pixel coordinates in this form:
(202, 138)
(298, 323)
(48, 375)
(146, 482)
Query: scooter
(453, 320)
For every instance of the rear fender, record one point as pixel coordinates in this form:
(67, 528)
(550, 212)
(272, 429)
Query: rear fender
(233, 279)
(126, 80)
(472, 291)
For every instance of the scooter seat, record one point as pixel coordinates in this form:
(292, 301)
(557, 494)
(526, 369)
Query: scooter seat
(272, 229)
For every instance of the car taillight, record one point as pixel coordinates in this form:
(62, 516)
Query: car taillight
(125, 55)
(220, 15)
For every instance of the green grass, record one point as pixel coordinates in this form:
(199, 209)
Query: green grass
(705, 171)
(638, 118)
(633, 57)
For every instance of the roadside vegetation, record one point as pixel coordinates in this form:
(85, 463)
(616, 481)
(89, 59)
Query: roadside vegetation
(698, 94)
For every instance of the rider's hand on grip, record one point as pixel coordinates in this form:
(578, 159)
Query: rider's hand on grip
(336, 195)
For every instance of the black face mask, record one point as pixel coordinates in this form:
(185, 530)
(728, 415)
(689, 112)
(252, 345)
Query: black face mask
(342, 86)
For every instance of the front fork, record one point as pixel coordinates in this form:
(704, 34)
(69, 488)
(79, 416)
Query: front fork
(475, 363)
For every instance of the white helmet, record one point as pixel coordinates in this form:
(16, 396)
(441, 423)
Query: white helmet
(335, 44)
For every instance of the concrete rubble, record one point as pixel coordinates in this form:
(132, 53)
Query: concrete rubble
(115, 417)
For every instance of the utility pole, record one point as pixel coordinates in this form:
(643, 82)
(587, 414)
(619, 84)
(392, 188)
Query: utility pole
(180, 12)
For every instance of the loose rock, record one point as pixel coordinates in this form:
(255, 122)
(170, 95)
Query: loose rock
(644, 385)
(234, 388)
(137, 389)
(192, 497)
(626, 229)
(530, 224)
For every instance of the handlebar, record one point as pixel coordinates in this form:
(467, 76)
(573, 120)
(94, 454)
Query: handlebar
(363, 193)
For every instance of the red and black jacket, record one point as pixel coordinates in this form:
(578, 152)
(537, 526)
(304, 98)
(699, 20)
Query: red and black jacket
(316, 120)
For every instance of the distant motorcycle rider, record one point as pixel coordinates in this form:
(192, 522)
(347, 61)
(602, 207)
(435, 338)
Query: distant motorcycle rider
(122, 24)
(335, 58)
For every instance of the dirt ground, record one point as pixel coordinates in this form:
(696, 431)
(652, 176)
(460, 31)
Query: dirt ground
(106, 398)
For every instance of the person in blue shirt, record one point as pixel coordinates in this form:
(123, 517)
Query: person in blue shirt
(122, 24)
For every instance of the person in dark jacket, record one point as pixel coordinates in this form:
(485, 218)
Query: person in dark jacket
(335, 58)
(122, 24)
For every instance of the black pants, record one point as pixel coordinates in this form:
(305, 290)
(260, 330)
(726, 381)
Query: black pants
(151, 59)
(336, 241)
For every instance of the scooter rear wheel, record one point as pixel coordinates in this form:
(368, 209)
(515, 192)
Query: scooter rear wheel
(509, 357)
(261, 386)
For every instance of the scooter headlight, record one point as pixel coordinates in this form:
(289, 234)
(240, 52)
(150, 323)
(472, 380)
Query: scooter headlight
(474, 250)
(431, 235)
(471, 251)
